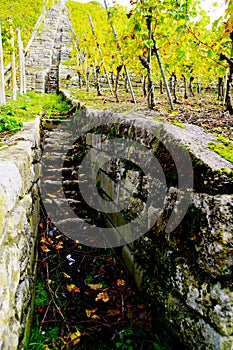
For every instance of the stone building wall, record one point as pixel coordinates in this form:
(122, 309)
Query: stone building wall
(19, 217)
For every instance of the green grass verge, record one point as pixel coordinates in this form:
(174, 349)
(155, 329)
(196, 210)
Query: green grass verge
(28, 106)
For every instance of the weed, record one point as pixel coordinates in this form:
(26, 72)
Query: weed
(135, 336)
(39, 338)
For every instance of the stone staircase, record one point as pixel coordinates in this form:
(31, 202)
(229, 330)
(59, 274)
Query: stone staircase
(59, 182)
(51, 46)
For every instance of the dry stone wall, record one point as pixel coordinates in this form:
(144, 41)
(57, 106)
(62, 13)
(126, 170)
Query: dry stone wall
(19, 217)
(185, 272)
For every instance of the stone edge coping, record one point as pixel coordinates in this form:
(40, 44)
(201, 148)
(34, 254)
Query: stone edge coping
(193, 137)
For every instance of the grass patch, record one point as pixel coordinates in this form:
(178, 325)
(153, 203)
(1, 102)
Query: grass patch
(224, 148)
(28, 106)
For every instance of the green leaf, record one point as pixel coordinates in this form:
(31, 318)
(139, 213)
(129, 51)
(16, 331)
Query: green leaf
(149, 43)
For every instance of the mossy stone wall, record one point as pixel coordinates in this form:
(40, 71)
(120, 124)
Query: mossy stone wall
(19, 218)
(186, 273)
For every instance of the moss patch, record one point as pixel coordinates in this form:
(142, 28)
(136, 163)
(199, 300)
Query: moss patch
(177, 123)
(224, 147)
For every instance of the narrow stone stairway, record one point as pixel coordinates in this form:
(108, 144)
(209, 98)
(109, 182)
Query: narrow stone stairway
(51, 46)
(60, 179)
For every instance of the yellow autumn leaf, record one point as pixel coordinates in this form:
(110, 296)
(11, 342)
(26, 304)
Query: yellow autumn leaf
(74, 338)
(44, 248)
(120, 282)
(65, 275)
(77, 334)
(90, 312)
(95, 317)
(50, 241)
(102, 296)
(95, 286)
(59, 245)
(46, 347)
(173, 113)
(52, 195)
(72, 288)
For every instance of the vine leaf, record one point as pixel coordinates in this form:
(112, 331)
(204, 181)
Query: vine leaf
(72, 288)
(102, 296)
(95, 286)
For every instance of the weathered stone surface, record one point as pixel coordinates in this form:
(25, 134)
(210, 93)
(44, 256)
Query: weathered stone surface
(19, 217)
(10, 178)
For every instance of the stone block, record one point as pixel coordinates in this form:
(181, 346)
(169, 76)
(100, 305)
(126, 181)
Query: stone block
(132, 266)
(10, 179)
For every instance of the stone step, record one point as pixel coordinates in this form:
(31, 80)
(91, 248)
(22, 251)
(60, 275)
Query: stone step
(61, 201)
(64, 182)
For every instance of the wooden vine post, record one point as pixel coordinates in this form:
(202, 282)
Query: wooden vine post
(121, 53)
(22, 74)
(2, 81)
(13, 67)
(229, 79)
(100, 52)
(163, 73)
(151, 96)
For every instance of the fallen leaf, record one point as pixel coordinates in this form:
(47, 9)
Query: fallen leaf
(59, 245)
(95, 286)
(72, 339)
(50, 241)
(120, 282)
(72, 288)
(44, 248)
(75, 337)
(52, 195)
(87, 293)
(65, 275)
(102, 296)
(113, 312)
(46, 347)
(95, 317)
(90, 312)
